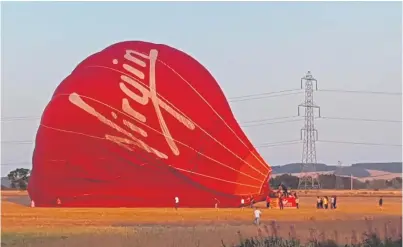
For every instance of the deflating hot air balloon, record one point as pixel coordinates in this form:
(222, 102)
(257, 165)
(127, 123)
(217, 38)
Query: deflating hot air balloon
(136, 125)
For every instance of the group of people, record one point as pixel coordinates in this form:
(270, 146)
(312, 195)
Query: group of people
(324, 202)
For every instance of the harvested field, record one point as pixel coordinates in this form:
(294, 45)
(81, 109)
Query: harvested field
(24, 226)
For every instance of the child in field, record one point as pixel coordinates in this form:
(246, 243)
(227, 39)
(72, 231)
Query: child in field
(257, 214)
(242, 204)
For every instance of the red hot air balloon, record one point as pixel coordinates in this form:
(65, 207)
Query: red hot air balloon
(137, 125)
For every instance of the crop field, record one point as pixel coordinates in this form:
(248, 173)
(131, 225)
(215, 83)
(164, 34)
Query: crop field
(25, 226)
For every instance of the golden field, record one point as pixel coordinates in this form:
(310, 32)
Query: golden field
(25, 226)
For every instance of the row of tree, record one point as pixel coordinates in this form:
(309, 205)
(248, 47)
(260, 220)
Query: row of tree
(335, 182)
(19, 180)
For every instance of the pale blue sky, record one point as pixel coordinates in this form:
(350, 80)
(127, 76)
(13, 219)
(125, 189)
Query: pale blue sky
(346, 45)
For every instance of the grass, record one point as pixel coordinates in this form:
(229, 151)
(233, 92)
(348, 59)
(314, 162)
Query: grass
(370, 238)
(101, 227)
(272, 234)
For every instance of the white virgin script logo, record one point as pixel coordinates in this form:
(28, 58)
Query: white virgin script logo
(134, 63)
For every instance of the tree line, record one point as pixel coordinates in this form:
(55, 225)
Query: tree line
(331, 181)
(19, 180)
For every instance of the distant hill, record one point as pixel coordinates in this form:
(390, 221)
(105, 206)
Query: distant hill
(296, 168)
(359, 170)
(394, 167)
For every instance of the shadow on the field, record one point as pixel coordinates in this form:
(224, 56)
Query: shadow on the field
(20, 200)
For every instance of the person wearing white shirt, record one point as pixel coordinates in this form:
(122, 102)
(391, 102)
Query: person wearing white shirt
(242, 203)
(216, 203)
(257, 214)
(176, 203)
(332, 202)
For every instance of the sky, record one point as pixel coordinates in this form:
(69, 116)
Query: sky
(346, 46)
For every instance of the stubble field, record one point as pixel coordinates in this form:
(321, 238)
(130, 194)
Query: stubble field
(356, 213)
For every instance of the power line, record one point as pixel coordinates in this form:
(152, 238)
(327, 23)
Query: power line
(298, 91)
(267, 119)
(17, 142)
(270, 123)
(16, 163)
(270, 144)
(260, 122)
(262, 97)
(247, 98)
(361, 143)
(362, 119)
(9, 119)
(265, 144)
(263, 94)
(358, 91)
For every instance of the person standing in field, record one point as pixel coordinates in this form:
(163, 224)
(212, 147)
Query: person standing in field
(380, 202)
(257, 214)
(317, 202)
(252, 201)
(242, 204)
(297, 201)
(176, 203)
(217, 202)
(268, 200)
(335, 202)
(326, 202)
(280, 202)
(332, 202)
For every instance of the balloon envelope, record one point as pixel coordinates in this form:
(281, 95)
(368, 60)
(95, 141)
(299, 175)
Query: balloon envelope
(138, 124)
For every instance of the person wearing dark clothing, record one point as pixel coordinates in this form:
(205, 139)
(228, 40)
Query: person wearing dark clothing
(380, 202)
(268, 200)
(252, 201)
(335, 202)
(318, 202)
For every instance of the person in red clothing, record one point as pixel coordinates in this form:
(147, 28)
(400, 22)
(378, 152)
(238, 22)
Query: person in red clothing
(268, 200)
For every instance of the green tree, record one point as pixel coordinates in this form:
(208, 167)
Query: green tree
(19, 178)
